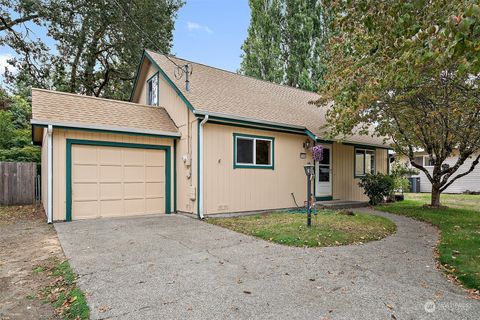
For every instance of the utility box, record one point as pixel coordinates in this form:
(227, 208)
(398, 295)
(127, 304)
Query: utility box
(414, 184)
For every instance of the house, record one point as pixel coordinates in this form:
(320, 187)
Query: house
(470, 182)
(227, 143)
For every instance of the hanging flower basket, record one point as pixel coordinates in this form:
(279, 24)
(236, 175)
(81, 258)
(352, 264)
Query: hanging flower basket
(317, 153)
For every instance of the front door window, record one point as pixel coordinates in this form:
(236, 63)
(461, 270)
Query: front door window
(323, 176)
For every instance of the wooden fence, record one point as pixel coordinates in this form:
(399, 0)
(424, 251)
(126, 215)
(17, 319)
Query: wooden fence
(17, 182)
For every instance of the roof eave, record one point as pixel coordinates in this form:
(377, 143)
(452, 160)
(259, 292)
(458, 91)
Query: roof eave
(81, 126)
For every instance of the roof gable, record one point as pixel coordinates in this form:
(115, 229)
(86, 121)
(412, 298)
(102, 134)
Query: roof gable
(227, 94)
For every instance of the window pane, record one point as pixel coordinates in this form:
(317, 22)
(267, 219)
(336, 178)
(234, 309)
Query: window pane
(263, 152)
(326, 156)
(323, 173)
(418, 160)
(153, 91)
(244, 150)
(369, 161)
(359, 162)
(428, 161)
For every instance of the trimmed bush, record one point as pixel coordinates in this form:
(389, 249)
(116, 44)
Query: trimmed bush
(377, 187)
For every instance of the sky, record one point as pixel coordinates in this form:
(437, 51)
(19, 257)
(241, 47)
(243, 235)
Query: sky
(206, 31)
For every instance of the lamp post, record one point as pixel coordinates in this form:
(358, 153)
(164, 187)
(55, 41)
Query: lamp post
(309, 172)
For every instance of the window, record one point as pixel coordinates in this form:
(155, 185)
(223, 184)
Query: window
(425, 161)
(152, 90)
(253, 151)
(364, 161)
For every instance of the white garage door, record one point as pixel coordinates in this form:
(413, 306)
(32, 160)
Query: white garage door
(116, 181)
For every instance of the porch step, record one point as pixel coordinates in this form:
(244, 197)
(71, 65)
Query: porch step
(340, 204)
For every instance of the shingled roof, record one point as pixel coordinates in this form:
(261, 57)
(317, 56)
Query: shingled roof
(221, 92)
(79, 111)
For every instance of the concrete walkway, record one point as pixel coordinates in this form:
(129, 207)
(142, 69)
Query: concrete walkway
(174, 267)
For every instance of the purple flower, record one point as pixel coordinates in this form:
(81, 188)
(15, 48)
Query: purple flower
(317, 153)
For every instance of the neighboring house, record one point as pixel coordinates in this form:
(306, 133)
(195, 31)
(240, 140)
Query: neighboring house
(470, 182)
(230, 143)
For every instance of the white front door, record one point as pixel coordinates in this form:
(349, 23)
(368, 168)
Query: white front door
(323, 175)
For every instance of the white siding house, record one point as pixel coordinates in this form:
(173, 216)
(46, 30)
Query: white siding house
(469, 182)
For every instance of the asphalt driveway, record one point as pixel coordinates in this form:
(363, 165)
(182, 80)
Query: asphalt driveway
(175, 267)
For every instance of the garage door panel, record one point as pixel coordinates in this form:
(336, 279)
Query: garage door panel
(155, 189)
(111, 173)
(134, 206)
(155, 174)
(110, 156)
(134, 174)
(85, 173)
(84, 155)
(85, 191)
(111, 208)
(156, 205)
(117, 181)
(85, 209)
(152, 158)
(134, 157)
(134, 190)
(111, 191)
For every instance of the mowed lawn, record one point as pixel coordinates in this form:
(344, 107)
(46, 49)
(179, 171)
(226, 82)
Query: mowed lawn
(329, 228)
(459, 248)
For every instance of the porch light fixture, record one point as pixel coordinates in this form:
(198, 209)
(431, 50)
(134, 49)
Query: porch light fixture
(310, 173)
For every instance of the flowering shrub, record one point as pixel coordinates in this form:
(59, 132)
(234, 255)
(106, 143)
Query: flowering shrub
(317, 153)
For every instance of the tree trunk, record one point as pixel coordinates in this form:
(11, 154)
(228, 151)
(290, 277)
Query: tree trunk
(435, 196)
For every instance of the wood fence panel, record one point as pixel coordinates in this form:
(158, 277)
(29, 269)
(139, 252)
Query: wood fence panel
(17, 182)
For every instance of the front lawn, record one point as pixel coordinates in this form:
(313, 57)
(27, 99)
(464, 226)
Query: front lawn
(459, 247)
(459, 201)
(329, 228)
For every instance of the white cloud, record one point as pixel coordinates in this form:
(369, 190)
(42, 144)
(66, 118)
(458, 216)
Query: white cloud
(192, 26)
(4, 63)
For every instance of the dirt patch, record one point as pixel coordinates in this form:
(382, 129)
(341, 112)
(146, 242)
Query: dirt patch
(28, 247)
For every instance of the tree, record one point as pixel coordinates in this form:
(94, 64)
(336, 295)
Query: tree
(98, 44)
(285, 42)
(412, 68)
(15, 134)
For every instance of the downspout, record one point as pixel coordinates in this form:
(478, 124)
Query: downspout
(50, 174)
(200, 168)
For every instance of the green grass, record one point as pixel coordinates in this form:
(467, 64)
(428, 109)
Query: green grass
(329, 228)
(459, 201)
(70, 300)
(459, 247)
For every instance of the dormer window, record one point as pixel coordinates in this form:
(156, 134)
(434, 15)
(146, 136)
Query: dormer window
(152, 90)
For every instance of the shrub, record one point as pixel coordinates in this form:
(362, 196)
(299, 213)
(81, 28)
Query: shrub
(377, 187)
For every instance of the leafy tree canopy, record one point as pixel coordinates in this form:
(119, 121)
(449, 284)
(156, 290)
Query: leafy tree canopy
(412, 68)
(97, 43)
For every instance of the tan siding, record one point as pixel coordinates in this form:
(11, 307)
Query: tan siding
(59, 160)
(228, 190)
(187, 125)
(381, 160)
(345, 186)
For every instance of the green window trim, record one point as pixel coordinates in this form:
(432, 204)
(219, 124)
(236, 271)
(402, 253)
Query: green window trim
(147, 96)
(253, 166)
(374, 169)
(71, 142)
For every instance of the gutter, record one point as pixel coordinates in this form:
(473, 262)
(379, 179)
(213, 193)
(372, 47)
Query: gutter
(50, 174)
(200, 167)
(74, 125)
(232, 117)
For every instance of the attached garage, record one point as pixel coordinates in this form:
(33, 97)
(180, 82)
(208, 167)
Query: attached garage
(103, 158)
(116, 179)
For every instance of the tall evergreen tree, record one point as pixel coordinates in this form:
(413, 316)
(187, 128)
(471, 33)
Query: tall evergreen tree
(285, 42)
